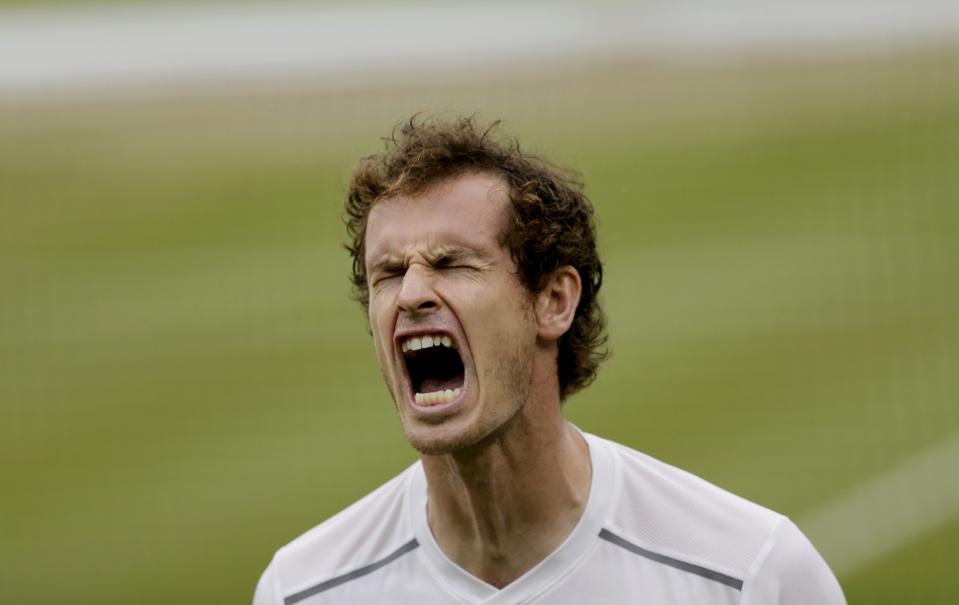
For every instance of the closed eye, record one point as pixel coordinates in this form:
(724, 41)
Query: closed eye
(387, 272)
(452, 263)
(386, 277)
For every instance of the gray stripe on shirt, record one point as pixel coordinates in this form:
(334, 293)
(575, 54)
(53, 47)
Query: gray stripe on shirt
(357, 573)
(709, 574)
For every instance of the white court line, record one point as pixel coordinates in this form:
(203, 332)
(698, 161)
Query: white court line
(880, 516)
(157, 44)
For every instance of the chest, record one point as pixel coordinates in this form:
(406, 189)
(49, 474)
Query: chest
(606, 574)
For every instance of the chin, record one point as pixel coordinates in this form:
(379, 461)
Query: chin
(450, 438)
(435, 442)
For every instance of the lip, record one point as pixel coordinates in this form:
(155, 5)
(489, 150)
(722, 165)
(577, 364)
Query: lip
(441, 409)
(438, 410)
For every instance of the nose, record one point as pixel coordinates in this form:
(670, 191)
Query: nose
(417, 293)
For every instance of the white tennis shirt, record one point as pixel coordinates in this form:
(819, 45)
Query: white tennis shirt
(650, 534)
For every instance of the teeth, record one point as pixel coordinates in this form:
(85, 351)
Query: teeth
(437, 397)
(415, 343)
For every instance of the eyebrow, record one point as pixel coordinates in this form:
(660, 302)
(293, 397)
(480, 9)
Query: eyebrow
(452, 254)
(443, 256)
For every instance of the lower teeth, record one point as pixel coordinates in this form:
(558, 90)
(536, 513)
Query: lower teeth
(437, 397)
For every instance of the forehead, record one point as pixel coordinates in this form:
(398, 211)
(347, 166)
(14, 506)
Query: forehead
(467, 211)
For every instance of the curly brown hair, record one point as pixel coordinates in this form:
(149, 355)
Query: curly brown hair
(550, 223)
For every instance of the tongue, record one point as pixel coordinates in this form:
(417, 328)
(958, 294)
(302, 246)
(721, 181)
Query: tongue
(430, 385)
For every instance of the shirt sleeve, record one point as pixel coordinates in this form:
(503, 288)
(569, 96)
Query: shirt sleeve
(267, 589)
(791, 572)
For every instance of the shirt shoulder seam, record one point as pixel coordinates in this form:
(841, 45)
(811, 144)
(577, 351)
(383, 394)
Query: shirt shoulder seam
(753, 570)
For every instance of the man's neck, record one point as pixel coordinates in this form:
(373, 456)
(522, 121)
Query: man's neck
(503, 506)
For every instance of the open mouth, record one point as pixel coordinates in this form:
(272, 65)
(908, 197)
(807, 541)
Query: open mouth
(435, 368)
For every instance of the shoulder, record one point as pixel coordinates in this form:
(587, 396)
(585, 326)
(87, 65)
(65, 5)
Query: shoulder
(366, 532)
(678, 515)
(791, 572)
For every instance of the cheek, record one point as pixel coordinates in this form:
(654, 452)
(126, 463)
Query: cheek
(379, 327)
(499, 321)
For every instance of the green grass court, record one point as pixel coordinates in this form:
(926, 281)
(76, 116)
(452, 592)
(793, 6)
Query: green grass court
(186, 386)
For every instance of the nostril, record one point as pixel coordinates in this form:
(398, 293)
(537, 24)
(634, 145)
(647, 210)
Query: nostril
(426, 304)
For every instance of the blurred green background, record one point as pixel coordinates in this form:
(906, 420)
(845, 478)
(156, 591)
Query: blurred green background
(185, 385)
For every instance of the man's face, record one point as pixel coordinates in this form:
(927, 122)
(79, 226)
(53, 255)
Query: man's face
(453, 327)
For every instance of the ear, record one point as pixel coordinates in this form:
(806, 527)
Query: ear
(556, 303)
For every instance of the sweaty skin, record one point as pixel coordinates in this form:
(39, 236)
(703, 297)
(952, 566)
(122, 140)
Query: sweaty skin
(508, 477)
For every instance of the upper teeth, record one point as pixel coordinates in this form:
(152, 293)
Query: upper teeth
(415, 343)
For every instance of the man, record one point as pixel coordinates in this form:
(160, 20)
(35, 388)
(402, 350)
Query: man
(477, 266)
